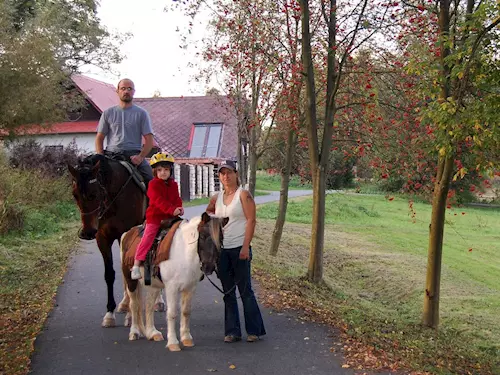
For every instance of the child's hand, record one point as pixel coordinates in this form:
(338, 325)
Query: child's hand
(179, 211)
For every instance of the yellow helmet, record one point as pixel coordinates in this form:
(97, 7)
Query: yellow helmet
(161, 157)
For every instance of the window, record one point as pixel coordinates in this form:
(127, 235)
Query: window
(205, 140)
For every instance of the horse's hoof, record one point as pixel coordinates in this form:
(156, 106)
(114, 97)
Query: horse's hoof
(109, 320)
(188, 343)
(160, 307)
(174, 347)
(157, 337)
(133, 336)
(122, 308)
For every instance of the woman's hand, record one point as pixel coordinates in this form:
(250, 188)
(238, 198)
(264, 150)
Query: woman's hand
(245, 253)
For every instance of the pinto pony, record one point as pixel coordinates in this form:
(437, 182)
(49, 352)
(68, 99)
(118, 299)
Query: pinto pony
(194, 251)
(110, 203)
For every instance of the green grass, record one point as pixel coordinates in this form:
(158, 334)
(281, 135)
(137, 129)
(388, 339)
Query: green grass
(269, 182)
(375, 263)
(204, 201)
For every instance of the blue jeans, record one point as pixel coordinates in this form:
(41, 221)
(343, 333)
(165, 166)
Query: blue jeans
(233, 270)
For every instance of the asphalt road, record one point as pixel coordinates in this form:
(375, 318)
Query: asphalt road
(73, 341)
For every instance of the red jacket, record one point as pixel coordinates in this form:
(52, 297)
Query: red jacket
(163, 200)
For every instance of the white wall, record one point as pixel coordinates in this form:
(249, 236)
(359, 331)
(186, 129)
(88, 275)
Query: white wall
(84, 142)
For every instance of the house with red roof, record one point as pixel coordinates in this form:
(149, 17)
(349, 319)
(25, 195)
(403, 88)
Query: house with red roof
(196, 130)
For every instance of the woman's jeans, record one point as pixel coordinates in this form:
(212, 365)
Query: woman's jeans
(233, 270)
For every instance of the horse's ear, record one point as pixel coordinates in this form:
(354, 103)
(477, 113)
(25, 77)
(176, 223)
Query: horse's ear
(225, 220)
(205, 218)
(73, 171)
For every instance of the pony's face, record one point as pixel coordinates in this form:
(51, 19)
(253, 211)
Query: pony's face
(87, 193)
(209, 242)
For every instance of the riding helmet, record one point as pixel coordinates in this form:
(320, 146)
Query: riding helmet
(161, 158)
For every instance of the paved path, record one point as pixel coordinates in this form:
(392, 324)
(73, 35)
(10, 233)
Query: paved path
(73, 341)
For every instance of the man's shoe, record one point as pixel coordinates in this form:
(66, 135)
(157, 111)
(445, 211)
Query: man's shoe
(231, 338)
(252, 338)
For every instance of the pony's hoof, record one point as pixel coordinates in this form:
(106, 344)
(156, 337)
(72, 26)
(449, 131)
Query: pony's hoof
(157, 337)
(160, 307)
(109, 320)
(133, 336)
(122, 308)
(174, 347)
(188, 343)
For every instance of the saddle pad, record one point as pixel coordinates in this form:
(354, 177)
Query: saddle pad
(163, 252)
(130, 243)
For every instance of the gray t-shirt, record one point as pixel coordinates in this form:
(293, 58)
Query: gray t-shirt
(124, 128)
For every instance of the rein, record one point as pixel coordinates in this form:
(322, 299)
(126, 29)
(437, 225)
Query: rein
(107, 207)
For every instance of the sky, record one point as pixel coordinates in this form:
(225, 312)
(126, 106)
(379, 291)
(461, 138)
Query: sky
(153, 58)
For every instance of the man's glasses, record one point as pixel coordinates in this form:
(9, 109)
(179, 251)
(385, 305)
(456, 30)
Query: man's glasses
(126, 89)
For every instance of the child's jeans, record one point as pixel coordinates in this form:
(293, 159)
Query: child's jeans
(147, 241)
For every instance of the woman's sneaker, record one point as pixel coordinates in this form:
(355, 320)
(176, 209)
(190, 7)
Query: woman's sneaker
(136, 273)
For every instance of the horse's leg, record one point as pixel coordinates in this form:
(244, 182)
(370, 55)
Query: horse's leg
(104, 245)
(137, 327)
(187, 297)
(151, 296)
(172, 293)
(123, 306)
(160, 302)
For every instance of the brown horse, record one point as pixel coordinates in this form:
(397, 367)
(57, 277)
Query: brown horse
(110, 203)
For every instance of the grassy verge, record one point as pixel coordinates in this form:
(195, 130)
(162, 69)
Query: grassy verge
(204, 201)
(32, 264)
(374, 272)
(268, 182)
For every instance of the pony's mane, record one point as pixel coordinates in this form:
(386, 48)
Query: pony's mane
(215, 226)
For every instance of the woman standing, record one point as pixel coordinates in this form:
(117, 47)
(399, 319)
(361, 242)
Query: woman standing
(234, 265)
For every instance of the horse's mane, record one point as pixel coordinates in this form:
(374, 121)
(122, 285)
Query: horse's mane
(215, 226)
(86, 164)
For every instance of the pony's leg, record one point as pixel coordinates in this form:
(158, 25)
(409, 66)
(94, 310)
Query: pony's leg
(104, 245)
(160, 302)
(172, 292)
(186, 298)
(151, 296)
(137, 327)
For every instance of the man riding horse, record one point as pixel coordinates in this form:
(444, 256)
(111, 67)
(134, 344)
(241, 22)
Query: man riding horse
(124, 125)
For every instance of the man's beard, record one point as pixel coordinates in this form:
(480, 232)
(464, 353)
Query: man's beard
(127, 99)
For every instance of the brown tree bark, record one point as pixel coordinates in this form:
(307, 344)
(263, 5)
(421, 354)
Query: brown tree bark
(440, 194)
(285, 180)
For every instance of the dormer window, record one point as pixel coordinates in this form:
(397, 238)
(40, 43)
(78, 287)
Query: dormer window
(205, 140)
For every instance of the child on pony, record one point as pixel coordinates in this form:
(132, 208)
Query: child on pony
(164, 203)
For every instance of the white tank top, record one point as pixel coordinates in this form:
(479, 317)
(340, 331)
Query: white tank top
(234, 231)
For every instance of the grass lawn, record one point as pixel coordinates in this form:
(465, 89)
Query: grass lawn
(268, 182)
(32, 265)
(204, 201)
(374, 270)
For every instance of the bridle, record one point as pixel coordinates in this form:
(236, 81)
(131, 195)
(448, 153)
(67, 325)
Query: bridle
(103, 208)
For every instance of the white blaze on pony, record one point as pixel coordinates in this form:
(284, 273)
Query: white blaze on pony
(195, 249)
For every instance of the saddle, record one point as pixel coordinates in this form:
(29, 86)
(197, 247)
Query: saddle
(158, 254)
(125, 161)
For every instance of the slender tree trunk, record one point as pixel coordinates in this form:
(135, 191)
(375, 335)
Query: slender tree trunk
(285, 180)
(436, 231)
(441, 188)
(252, 161)
(315, 269)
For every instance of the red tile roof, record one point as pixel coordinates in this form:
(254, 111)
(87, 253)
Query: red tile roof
(101, 94)
(60, 128)
(173, 119)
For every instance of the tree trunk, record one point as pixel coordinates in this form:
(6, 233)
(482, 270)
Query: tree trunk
(315, 269)
(252, 161)
(436, 231)
(285, 180)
